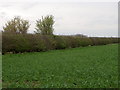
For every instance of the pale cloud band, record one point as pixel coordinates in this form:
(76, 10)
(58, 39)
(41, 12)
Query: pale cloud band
(59, 1)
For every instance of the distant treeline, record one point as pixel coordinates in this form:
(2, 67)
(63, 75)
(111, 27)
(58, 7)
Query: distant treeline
(18, 43)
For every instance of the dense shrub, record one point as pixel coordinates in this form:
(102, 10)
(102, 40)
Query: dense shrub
(0, 42)
(22, 43)
(84, 41)
(60, 42)
(103, 41)
(48, 41)
(71, 41)
(34, 42)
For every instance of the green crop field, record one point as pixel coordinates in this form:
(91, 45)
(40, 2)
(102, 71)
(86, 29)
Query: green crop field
(84, 67)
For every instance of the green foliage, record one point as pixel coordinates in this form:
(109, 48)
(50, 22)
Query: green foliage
(71, 41)
(17, 25)
(0, 41)
(44, 26)
(103, 41)
(60, 42)
(84, 41)
(88, 67)
(34, 42)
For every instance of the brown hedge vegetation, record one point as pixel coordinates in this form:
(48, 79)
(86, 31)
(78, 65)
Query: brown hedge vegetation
(18, 43)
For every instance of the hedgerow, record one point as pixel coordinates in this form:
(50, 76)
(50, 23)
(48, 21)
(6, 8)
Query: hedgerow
(18, 43)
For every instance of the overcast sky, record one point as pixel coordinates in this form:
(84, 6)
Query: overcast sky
(88, 17)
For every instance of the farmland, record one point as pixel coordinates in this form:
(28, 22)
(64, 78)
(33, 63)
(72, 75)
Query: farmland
(91, 67)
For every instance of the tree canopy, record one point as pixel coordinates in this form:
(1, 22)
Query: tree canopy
(44, 26)
(17, 25)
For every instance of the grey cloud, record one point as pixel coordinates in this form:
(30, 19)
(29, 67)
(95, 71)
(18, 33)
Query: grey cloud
(3, 14)
(27, 6)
